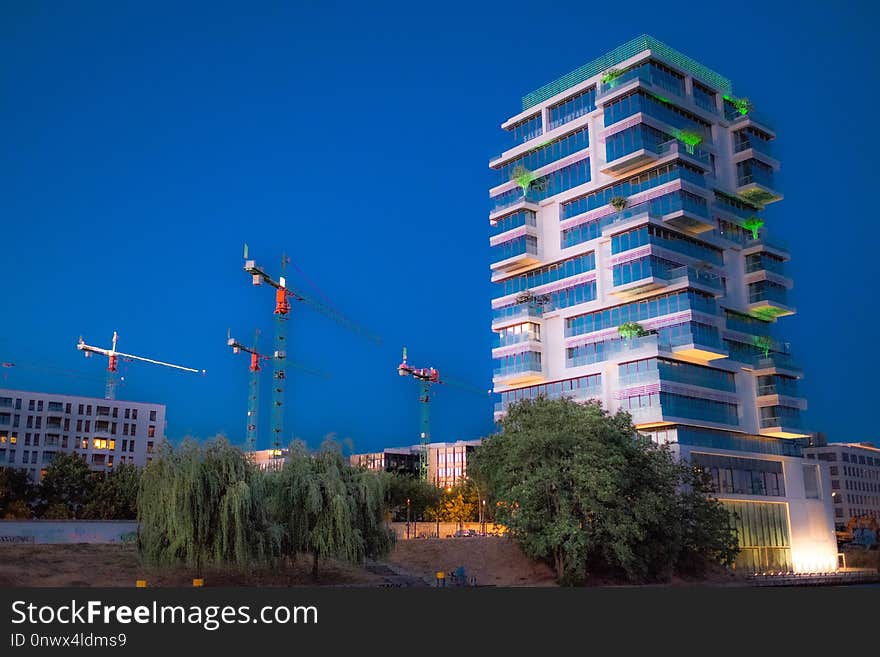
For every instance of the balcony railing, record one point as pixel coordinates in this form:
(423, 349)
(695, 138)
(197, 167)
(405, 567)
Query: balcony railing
(645, 74)
(518, 311)
(524, 366)
(508, 339)
(770, 294)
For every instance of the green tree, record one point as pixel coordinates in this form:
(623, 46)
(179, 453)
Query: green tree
(457, 504)
(707, 534)
(582, 490)
(115, 495)
(68, 482)
(421, 495)
(629, 330)
(204, 504)
(328, 509)
(17, 493)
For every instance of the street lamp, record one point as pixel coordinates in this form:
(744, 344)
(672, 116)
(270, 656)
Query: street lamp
(483, 517)
(407, 517)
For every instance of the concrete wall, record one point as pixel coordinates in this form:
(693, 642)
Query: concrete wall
(67, 531)
(447, 529)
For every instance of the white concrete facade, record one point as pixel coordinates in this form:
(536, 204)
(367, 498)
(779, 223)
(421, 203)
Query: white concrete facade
(34, 426)
(685, 260)
(854, 471)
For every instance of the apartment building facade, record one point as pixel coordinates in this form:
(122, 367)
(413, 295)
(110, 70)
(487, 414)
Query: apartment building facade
(854, 470)
(36, 426)
(631, 266)
(447, 462)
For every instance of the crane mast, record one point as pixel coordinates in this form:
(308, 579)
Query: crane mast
(283, 294)
(113, 356)
(253, 386)
(426, 378)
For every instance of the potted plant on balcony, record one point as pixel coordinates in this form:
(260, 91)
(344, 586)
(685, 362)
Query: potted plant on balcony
(522, 177)
(610, 77)
(742, 105)
(629, 330)
(754, 224)
(689, 138)
(763, 343)
(619, 203)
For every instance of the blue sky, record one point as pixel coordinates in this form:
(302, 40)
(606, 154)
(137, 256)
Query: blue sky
(144, 144)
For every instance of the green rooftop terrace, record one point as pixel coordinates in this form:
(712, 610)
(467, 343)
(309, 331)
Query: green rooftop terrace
(621, 54)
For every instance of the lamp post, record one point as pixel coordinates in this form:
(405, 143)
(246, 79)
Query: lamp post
(483, 517)
(407, 518)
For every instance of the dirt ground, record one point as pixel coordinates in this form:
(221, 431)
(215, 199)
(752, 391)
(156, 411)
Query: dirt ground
(491, 560)
(117, 565)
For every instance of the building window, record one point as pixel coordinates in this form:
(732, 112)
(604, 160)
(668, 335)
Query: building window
(134, 414)
(127, 413)
(67, 408)
(40, 406)
(152, 416)
(151, 431)
(31, 404)
(811, 482)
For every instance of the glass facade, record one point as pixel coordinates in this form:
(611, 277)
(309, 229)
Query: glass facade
(632, 185)
(548, 274)
(578, 388)
(754, 171)
(640, 101)
(519, 363)
(764, 262)
(767, 291)
(742, 476)
(705, 98)
(751, 138)
(518, 334)
(516, 246)
(641, 268)
(780, 416)
(647, 370)
(668, 239)
(528, 128)
(764, 536)
(571, 296)
(776, 384)
(683, 406)
(545, 154)
(737, 442)
(514, 220)
(517, 311)
(745, 324)
(572, 108)
(637, 311)
(632, 139)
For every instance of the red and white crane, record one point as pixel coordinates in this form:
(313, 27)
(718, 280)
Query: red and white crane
(113, 356)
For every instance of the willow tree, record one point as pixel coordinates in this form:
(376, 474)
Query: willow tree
(204, 505)
(329, 509)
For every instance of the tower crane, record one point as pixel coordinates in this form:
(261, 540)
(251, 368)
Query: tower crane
(254, 384)
(283, 294)
(113, 357)
(426, 377)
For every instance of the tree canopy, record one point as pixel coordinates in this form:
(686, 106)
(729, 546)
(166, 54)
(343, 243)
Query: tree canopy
(584, 491)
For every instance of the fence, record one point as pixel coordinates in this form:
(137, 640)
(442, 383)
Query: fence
(67, 531)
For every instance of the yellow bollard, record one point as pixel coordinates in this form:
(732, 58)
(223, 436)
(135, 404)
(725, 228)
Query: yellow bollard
(141, 583)
(441, 578)
(198, 582)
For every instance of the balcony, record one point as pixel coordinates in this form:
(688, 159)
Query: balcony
(689, 215)
(525, 370)
(774, 363)
(508, 338)
(519, 252)
(761, 245)
(579, 395)
(645, 151)
(508, 202)
(516, 314)
(752, 119)
(696, 346)
(781, 422)
(756, 183)
(768, 300)
(642, 76)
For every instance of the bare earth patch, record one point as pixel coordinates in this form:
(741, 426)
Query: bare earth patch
(493, 561)
(117, 565)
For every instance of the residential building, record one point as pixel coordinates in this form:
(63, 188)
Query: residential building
(35, 426)
(631, 266)
(854, 469)
(447, 462)
(269, 459)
